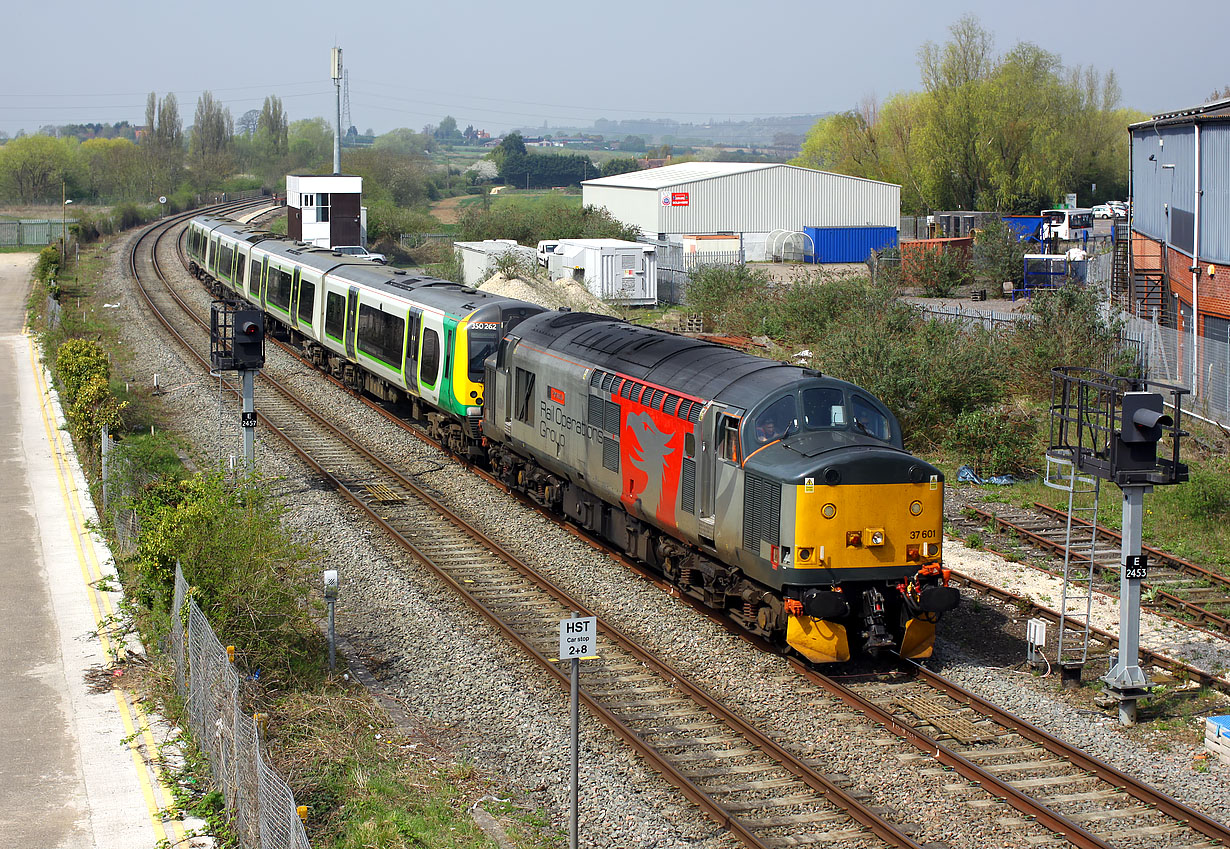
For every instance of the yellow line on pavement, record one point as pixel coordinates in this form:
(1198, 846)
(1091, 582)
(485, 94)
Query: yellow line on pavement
(91, 572)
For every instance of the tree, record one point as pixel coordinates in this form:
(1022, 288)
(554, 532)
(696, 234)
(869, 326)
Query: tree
(271, 127)
(311, 145)
(1216, 94)
(619, 165)
(31, 166)
(163, 145)
(633, 144)
(404, 141)
(447, 131)
(248, 121)
(211, 136)
(111, 169)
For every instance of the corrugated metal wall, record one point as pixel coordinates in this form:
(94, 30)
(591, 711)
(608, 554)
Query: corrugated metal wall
(638, 207)
(1215, 203)
(849, 244)
(755, 202)
(1163, 198)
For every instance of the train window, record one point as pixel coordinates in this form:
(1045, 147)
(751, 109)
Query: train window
(448, 352)
(823, 408)
(254, 277)
(335, 315)
(523, 396)
(482, 344)
(226, 259)
(868, 420)
(776, 420)
(277, 291)
(307, 301)
(381, 335)
(728, 438)
(430, 366)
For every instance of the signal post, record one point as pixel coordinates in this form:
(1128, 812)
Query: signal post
(1110, 427)
(237, 343)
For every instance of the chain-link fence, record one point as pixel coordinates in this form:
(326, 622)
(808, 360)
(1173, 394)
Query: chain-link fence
(262, 808)
(1200, 365)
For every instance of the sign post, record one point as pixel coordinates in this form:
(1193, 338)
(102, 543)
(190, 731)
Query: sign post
(578, 639)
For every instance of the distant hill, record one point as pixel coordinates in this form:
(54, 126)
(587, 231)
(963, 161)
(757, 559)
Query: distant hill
(782, 132)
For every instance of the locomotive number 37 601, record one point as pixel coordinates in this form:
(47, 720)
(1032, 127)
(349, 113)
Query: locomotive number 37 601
(922, 534)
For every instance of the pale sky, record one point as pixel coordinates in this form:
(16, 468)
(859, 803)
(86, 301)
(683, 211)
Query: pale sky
(501, 64)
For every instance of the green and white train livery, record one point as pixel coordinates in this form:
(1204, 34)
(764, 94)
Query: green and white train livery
(377, 329)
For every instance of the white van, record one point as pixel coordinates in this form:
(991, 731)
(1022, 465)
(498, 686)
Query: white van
(545, 248)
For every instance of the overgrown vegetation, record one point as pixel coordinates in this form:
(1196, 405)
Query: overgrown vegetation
(552, 218)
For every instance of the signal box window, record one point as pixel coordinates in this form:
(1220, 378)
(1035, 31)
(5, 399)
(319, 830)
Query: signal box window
(728, 438)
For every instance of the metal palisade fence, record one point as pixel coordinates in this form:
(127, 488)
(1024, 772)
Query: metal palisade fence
(676, 266)
(31, 232)
(1167, 355)
(263, 811)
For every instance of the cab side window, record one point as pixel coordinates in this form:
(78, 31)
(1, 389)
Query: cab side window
(728, 438)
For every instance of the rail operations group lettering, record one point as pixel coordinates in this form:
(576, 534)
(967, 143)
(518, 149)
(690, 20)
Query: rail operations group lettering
(556, 424)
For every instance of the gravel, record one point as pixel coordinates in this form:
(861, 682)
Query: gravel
(500, 712)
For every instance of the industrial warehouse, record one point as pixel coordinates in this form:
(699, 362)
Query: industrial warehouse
(837, 218)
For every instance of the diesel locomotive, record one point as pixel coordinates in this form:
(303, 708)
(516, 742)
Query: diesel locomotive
(779, 495)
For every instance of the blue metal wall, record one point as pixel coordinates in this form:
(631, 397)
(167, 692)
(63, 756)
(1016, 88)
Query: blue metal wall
(1215, 202)
(849, 244)
(1163, 199)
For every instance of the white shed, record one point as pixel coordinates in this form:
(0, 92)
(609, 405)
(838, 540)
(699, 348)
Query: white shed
(616, 271)
(748, 200)
(478, 258)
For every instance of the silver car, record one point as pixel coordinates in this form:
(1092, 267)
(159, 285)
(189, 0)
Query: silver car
(360, 251)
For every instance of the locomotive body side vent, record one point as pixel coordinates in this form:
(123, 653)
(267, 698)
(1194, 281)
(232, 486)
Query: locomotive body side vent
(611, 423)
(597, 411)
(762, 509)
(610, 454)
(687, 487)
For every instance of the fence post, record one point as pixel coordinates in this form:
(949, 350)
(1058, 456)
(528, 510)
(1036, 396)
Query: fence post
(105, 451)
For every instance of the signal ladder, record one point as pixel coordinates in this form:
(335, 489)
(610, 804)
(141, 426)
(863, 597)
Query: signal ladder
(1080, 549)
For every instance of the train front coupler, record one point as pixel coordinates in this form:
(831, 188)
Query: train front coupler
(875, 631)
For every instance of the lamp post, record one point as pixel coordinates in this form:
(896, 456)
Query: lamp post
(64, 202)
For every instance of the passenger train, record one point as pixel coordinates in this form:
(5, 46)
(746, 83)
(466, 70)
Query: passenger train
(776, 494)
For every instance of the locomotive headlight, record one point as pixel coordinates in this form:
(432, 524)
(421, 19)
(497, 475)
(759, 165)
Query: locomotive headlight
(875, 536)
(828, 511)
(915, 508)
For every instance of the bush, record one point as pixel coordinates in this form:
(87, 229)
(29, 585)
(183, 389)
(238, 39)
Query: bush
(1068, 329)
(939, 272)
(249, 577)
(79, 361)
(999, 255)
(93, 408)
(551, 218)
(1205, 498)
(996, 440)
(47, 267)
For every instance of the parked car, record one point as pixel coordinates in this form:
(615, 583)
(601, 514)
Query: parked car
(361, 252)
(1119, 207)
(1104, 210)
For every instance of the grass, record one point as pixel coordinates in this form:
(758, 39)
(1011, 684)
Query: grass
(521, 199)
(21, 249)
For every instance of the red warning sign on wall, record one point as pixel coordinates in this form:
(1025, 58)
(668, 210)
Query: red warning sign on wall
(679, 198)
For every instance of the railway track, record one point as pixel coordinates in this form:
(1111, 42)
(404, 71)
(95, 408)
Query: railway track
(756, 787)
(1192, 592)
(753, 786)
(1089, 802)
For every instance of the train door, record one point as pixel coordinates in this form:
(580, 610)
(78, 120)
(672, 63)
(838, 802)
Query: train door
(352, 321)
(294, 297)
(259, 294)
(409, 366)
(431, 356)
(211, 256)
(719, 466)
